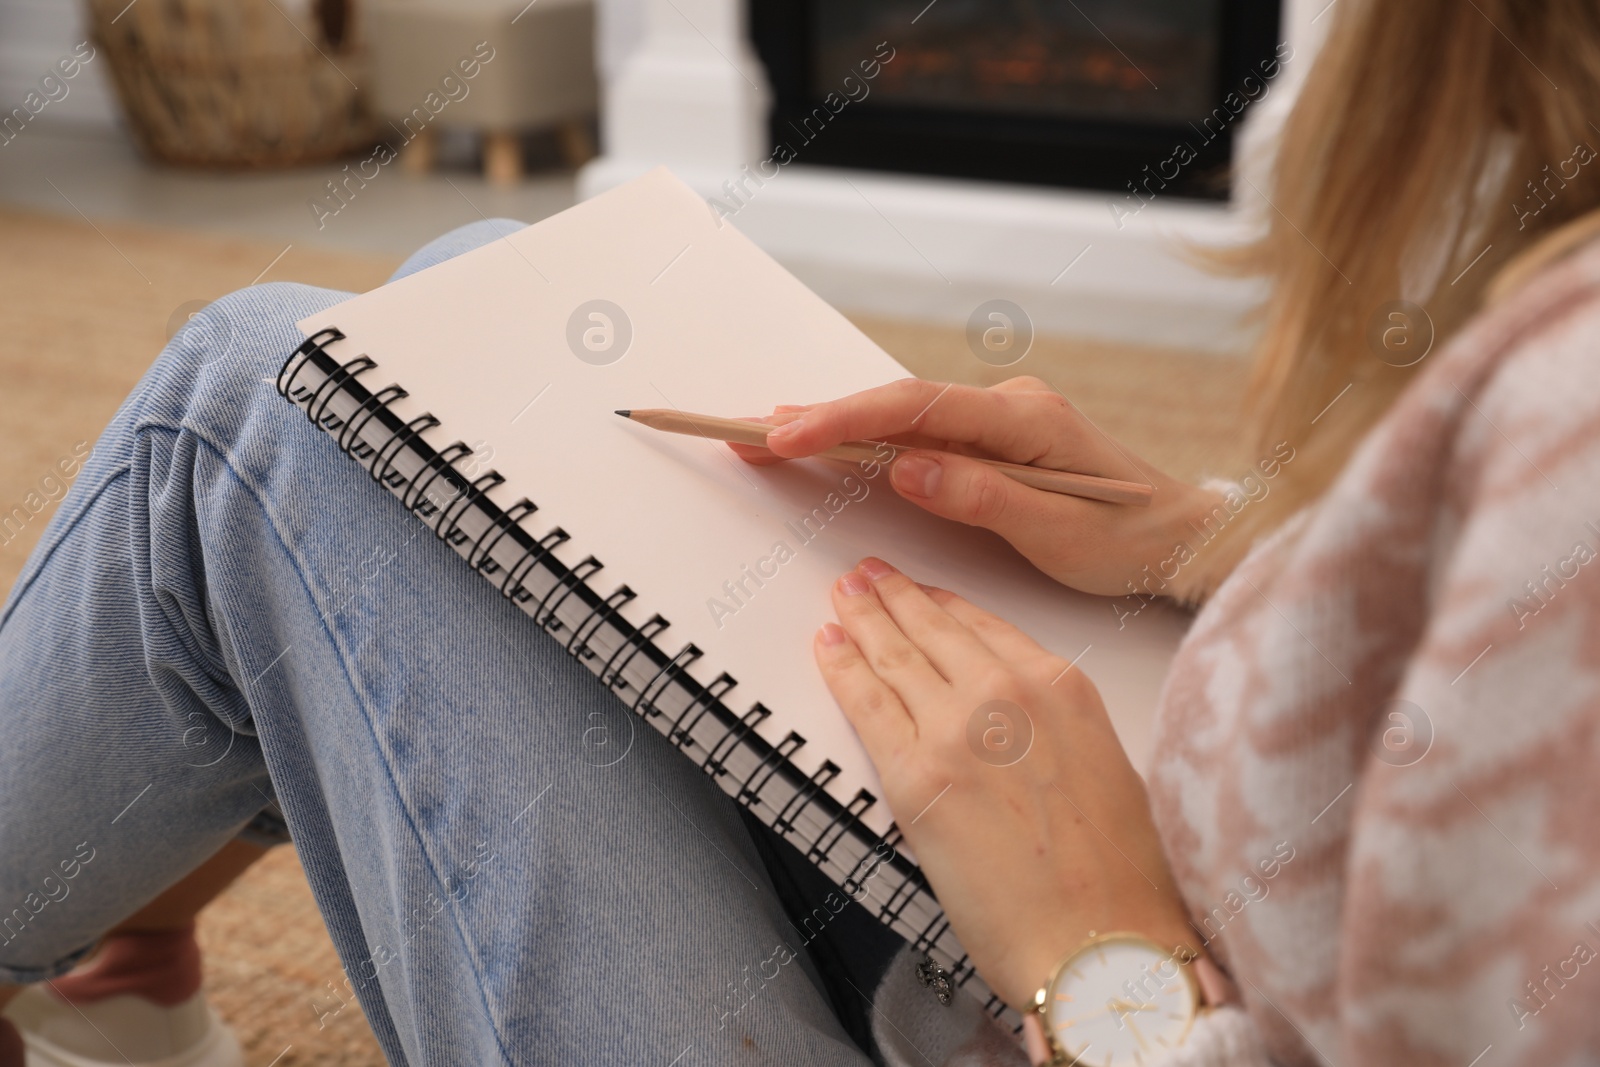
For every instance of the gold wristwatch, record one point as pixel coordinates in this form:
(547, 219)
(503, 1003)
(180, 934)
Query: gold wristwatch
(1118, 999)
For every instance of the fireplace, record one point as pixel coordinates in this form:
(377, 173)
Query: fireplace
(995, 167)
(1076, 93)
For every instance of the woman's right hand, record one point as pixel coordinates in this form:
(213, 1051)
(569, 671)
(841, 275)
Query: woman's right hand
(1086, 544)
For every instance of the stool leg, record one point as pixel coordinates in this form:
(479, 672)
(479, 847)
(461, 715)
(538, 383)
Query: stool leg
(502, 157)
(577, 146)
(418, 157)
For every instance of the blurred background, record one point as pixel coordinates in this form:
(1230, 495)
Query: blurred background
(924, 165)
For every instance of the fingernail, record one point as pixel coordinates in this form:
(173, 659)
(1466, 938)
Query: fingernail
(874, 568)
(788, 429)
(852, 584)
(831, 633)
(916, 475)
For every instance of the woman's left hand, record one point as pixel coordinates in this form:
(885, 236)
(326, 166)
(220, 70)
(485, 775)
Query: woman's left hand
(1005, 775)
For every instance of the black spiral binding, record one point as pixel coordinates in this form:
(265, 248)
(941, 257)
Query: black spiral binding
(481, 557)
(535, 555)
(704, 726)
(317, 409)
(751, 787)
(566, 585)
(867, 865)
(672, 670)
(350, 437)
(614, 673)
(415, 497)
(407, 436)
(715, 762)
(814, 787)
(682, 730)
(903, 894)
(450, 524)
(840, 820)
(606, 611)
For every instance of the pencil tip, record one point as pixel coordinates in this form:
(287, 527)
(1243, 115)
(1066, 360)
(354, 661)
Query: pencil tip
(624, 412)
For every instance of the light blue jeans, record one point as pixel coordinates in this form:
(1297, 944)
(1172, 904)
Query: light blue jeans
(226, 616)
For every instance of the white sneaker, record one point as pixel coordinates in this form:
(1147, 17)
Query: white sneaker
(122, 1030)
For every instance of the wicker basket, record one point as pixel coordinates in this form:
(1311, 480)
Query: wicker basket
(235, 83)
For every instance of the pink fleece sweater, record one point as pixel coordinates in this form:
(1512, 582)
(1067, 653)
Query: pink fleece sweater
(1400, 691)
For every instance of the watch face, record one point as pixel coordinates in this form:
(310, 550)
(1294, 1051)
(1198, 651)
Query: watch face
(1119, 1002)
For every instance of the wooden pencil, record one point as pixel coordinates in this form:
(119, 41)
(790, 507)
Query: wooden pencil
(740, 431)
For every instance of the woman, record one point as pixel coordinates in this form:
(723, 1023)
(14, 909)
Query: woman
(1370, 801)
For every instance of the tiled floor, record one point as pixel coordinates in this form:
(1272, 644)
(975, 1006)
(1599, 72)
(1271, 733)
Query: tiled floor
(97, 172)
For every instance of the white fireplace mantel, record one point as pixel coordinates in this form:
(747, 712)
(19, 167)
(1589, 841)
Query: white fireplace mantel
(683, 87)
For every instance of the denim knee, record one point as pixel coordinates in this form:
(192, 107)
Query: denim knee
(238, 340)
(461, 239)
(222, 363)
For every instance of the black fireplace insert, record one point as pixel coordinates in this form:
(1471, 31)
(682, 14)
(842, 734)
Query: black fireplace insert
(1133, 96)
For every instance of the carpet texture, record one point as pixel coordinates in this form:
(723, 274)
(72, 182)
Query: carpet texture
(88, 308)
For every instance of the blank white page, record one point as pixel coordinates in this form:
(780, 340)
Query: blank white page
(481, 341)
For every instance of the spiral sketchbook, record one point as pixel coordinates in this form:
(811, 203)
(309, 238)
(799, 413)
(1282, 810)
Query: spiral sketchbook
(480, 391)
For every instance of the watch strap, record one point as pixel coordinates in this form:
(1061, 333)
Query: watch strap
(1216, 988)
(1034, 1041)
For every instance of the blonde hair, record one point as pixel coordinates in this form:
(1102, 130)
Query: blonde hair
(1426, 133)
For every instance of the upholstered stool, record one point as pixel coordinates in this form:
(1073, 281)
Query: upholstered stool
(491, 66)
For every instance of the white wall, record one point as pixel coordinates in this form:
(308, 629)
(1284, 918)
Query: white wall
(619, 29)
(34, 34)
